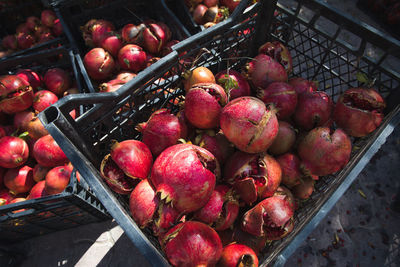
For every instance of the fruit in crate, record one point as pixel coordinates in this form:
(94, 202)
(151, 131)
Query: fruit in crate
(238, 255)
(14, 152)
(99, 64)
(16, 93)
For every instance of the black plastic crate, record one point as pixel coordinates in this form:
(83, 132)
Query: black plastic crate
(74, 14)
(76, 206)
(14, 13)
(317, 36)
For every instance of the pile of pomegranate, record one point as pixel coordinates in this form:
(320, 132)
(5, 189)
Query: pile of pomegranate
(34, 31)
(210, 12)
(225, 175)
(117, 56)
(32, 165)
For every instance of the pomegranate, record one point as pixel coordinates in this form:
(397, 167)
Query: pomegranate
(25, 40)
(99, 64)
(32, 22)
(185, 175)
(45, 38)
(111, 86)
(279, 52)
(221, 209)
(16, 94)
(95, 30)
(359, 111)
(48, 17)
(284, 193)
(234, 255)
(301, 85)
(249, 124)
(231, 4)
(154, 38)
(21, 119)
(16, 200)
(112, 43)
(125, 76)
(38, 190)
(57, 28)
(285, 139)
(132, 57)
(41, 30)
(234, 83)
(252, 175)
(47, 152)
(30, 77)
(43, 99)
(198, 14)
(198, 75)
(237, 235)
(282, 95)
(5, 197)
(313, 109)
(35, 128)
(116, 179)
(203, 104)
(14, 152)
(162, 130)
(272, 217)
(210, 3)
(291, 172)
(19, 180)
(263, 70)
(57, 179)
(304, 189)
(22, 28)
(57, 80)
(132, 34)
(9, 42)
(216, 143)
(333, 149)
(39, 172)
(167, 48)
(192, 244)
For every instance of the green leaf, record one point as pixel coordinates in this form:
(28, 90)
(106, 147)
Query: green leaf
(126, 61)
(23, 135)
(362, 78)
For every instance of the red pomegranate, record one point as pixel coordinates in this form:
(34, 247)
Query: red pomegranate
(35, 128)
(22, 28)
(301, 85)
(14, 152)
(31, 77)
(252, 175)
(32, 22)
(192, 244)
(9, 42)
(333, 147)
(285, 139)
(16, 200)
(38, 191)
(19, 180)
(57, 80)
(282, 95)
(185, 175)
(359, 111)
(304, 189)
(221, 210)
(263, 70)
(154, 38)
(112, 43)
(111, 86)
(57, 179)
(48, 17)
(57, 28)
(198, 13)
(99, 64)
(132, 34)
(132, 57)
(41, 30)
(95, 30)
(272, 217)
(313, 109)
(16, 94)
(279, 52)
(47, 152)
(234, 83)
(216, 143)
(291, 172)
(203, 105)
(5, 197)
(125, 76)
(249, 124)
(234, 255)
(43, 99)
(162, 130)
(25, 40)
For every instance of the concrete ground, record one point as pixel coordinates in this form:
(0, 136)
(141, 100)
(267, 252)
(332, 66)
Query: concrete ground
(361, 230)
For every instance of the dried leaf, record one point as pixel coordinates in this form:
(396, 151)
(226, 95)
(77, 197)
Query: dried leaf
(362, 77)
(362, 193)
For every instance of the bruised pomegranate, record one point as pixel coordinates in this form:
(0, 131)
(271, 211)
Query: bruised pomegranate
(279, 52)
(272, 217)
(16, 94)
(57, 80)
(162, 130)
(192, 244)
(234, 83)
(99, 64)
(263, 70)
(19, 180)
(47, 152)
(112, 42)
(291, 172)
(132, 57)
(14, 152)
(249, 124)
(301, 85)
(57, 179)
(39, 172)
(216, 143)
(324, 151)
(198, 75)
(234, 255)
(304, 189)
(313, 109)
(359, 111)
(154, 38)
(38, 191)
(252, 175)
(35, 128)
(132, 34)
(185, 175)
(285, 139)
(203, 104)
(282, 95)
(43, 99)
